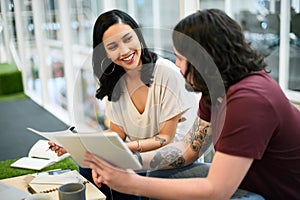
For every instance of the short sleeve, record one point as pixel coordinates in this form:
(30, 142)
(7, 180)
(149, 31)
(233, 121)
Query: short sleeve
(204, 111)
(248, 127)
(175, 99)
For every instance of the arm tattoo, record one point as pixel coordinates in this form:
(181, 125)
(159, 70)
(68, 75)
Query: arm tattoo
(198, 139)
(197, 135)
(206, 144)
(178, 163)
(161, 140)
(168, 156)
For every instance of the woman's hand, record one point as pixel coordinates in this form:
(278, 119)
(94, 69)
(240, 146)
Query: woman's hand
(59, 150)
(105, 173)
(96, 178)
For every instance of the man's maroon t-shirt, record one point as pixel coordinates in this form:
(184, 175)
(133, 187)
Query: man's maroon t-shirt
(260, 123)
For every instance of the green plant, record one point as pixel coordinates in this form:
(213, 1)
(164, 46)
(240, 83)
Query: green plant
(7, 172)
(10, 79)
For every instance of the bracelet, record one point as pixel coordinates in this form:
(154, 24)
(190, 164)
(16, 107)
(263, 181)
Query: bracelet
(138, 155)
(139, 146)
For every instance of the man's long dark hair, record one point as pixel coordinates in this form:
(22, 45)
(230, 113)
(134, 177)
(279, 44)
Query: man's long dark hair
(110, 73)
(223, 39)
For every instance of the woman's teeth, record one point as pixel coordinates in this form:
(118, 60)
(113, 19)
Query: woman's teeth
(128, 58)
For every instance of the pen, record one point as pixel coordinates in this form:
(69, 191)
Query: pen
(30, 190)
(50, 147)
(54, 172)
(72, 129)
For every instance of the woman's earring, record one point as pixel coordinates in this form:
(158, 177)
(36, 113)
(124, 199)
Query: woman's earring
(113, 69)
(142, 48)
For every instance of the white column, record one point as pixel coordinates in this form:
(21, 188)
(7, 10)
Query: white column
(108, 5)
(131, 9)
(156, 14)
(284, 53)
(37, 10)
(272, 6)
(188, 7)
(5, 30)
(228, 8)
(65, 23)
(156, 23)
(95, 7)
(21, 39)
(296, 5)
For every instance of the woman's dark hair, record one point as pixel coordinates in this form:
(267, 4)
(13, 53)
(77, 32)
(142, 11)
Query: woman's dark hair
(105, 70)
(223, 39)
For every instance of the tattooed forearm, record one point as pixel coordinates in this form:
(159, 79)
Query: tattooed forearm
(196, 136)
(179, 154)
(161, 140)
(178, 163)
(168, 156)
(206, 144)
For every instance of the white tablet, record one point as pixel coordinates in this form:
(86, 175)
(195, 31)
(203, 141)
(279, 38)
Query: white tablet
(108, 146)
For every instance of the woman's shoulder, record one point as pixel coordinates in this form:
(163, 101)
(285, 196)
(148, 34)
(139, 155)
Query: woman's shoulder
(165, 65)
(166, 62)
(166, 71)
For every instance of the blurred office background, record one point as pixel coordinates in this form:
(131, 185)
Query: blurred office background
(50, 41)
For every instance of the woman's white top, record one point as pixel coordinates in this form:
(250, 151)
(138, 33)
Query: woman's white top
(167, 97)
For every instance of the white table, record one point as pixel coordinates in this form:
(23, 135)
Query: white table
(20, 182)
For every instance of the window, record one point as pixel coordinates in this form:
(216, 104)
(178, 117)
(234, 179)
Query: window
(294, 69)
(36, 33)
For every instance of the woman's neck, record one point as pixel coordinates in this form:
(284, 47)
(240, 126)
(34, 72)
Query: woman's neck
(133, 74)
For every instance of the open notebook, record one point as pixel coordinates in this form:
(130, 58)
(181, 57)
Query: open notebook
(108, 146)
(39, 157)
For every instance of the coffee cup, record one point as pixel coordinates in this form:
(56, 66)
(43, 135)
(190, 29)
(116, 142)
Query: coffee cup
(72, 191)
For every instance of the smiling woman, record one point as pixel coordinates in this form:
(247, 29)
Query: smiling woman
(139, 85)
